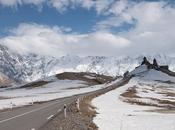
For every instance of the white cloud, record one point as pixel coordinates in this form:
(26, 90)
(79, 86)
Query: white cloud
(99, 5)
(45, 40)
(62, 5)
(12, 3)
(118, 7)
(153, 25)
(102, 6)
(153, 30)
(88, 4)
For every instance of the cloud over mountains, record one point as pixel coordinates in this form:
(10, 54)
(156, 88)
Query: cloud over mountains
(150, 29)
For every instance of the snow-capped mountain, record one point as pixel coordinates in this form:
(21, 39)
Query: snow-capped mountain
(26, 68)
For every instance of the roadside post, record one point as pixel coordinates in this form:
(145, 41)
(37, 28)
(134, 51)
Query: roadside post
(78, 104)
(32, 101)
(11, 105)
(65, 109)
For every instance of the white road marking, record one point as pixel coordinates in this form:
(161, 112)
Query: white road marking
(48, 118)
(33, 129)
(28, 112)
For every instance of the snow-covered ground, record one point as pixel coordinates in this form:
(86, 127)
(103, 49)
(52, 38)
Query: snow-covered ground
(56, 89)
(118, 111)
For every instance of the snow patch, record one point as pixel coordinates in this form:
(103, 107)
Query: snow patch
(115, 114)
(53, 90)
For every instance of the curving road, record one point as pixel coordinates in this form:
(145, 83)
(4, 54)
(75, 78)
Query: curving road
(35, 116)
(32, 117)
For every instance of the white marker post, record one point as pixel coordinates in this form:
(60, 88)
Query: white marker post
(11, 105)
(78, 104)
(32, 101)
(65, 109)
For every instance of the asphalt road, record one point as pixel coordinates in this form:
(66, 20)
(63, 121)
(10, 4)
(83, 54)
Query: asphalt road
(35, 116)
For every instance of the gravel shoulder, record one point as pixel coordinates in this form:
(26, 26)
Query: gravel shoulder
(79, 120)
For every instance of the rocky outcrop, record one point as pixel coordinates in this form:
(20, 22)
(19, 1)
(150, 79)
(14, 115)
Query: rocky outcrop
(145, 61)
(155, 65)
(4, 80)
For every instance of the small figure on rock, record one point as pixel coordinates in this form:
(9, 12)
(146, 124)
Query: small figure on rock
(155, 63)
(126, 74)
(145, 61)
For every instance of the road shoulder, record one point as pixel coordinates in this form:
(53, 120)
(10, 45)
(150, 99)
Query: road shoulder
(76, 120)
(79, 120)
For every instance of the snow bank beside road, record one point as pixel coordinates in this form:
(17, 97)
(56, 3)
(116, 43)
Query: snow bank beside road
(58, 89)
(114, 114)
(136, 105)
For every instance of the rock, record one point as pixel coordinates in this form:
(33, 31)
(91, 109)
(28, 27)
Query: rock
(155, 63)
(126, 74)
(146, 62)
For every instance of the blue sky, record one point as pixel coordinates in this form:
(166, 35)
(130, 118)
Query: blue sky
(88, 27)
(79, 19)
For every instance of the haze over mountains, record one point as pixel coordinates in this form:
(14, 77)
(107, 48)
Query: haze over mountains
(31, 67)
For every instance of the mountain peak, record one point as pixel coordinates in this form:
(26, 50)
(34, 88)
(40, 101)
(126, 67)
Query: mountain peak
(31, 67)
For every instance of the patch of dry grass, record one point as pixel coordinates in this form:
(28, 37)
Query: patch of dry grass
(130, 93)
(35, 84)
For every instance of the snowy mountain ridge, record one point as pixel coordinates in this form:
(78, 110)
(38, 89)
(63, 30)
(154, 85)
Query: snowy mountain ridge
(31, 67)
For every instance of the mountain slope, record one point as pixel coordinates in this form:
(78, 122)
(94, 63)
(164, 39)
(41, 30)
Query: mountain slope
(50, 88)
(31, 67)
(4, 80)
